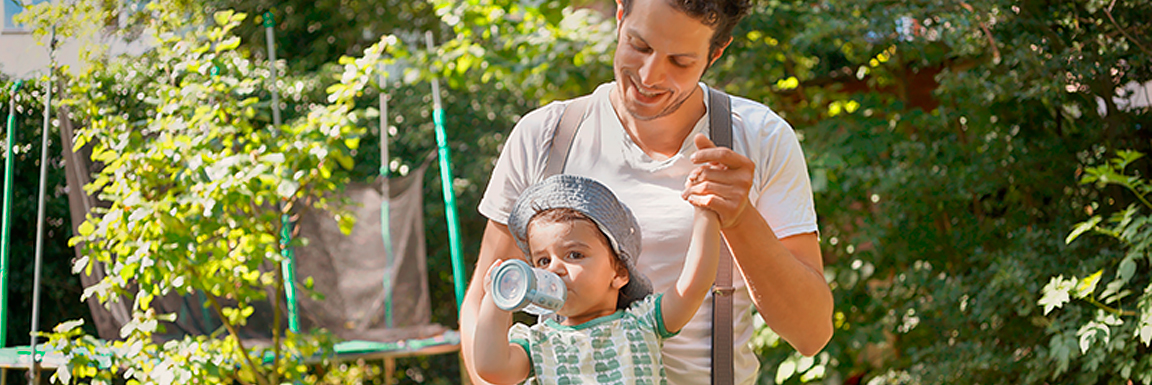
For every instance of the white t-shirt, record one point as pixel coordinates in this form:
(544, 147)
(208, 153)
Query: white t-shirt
(603, 150)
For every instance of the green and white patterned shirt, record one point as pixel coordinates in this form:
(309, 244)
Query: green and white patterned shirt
(621, 348)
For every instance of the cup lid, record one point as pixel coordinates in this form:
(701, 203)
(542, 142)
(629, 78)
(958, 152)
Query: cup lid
(511, 283)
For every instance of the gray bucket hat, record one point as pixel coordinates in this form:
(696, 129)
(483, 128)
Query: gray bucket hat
(594, 200)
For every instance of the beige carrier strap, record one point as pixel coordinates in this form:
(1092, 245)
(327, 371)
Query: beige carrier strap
(565, 132)
(720, 122)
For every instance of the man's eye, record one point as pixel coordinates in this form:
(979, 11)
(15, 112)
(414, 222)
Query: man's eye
(643, 49)
(542, 262)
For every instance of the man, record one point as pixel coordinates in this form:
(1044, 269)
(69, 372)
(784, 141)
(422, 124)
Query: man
(645, 136)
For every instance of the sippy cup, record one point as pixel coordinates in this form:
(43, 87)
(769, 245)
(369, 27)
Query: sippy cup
(517, 286)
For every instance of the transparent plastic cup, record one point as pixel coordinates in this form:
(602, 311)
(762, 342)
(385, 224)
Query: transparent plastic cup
(517, 286)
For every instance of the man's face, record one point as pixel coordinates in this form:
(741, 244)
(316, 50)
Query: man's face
(661, 53)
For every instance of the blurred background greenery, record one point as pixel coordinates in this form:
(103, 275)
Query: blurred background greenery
(946, 142)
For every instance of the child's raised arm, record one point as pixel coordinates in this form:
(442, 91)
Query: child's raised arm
(681, 303)
(497, 360)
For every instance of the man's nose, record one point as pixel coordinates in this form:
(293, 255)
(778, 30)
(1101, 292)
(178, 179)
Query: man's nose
(653, 71)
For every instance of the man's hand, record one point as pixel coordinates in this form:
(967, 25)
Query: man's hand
(720, 182)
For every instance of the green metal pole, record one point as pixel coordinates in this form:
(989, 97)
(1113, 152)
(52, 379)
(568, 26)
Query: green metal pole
(288, 264)
(4, 249)
(446, 184)
(385, 212)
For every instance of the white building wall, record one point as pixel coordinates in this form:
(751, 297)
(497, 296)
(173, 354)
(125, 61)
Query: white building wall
(22, 56)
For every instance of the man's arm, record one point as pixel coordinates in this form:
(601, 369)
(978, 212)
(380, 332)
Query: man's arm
(785, 277)
(496, 245)
(786, 280)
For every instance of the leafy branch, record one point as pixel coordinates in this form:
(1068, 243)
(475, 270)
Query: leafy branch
(193, 178)
(1132, 227)
(1108, 12)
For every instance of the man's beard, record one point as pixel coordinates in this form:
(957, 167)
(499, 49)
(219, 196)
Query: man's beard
(675, 106)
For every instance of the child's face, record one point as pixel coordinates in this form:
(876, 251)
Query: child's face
(581, 256)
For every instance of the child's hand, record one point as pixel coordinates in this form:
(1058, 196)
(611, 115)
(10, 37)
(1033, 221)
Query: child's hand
(488, 274)
(488, 297)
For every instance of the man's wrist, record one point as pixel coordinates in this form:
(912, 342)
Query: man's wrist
(741, 217)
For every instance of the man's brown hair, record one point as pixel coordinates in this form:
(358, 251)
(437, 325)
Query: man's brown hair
(721, 15)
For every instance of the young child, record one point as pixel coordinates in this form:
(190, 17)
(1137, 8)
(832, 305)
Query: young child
(613, 326)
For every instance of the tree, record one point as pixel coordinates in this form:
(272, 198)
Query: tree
(944, 153)
(198, 186)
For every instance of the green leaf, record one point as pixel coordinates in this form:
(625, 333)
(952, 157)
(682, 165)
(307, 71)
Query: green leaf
(1088, 285)
(1055, 293)
(86, 229)
(1127, 269)
(229, 314)
(1092, 332)
(79, 264)
(144, 300)
(238, 17)
(228, 44)
(1082, 227)
(346, 222)
(1126, 157)
(67, 326)
(223, 17)
(287, 188)
(352, 143)
(785, 370)
(1060, 347)
(274, 158)
(63, 374)
(345, 161)
(1112, 292)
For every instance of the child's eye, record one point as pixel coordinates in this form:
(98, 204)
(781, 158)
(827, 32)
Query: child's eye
(575, 255)
(543, 262)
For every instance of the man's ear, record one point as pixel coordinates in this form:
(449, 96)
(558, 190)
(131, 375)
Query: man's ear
(719, 52)
(619, 12)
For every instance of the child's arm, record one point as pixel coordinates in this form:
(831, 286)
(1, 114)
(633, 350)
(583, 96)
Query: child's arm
(681, 303)
(496, 359)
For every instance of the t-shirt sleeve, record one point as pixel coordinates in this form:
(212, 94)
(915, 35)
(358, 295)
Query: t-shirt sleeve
(647, 311)
(521, 161)
(519, 334)
(785, 190)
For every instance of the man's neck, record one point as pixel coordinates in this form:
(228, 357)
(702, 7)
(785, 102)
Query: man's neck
(661, 138)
